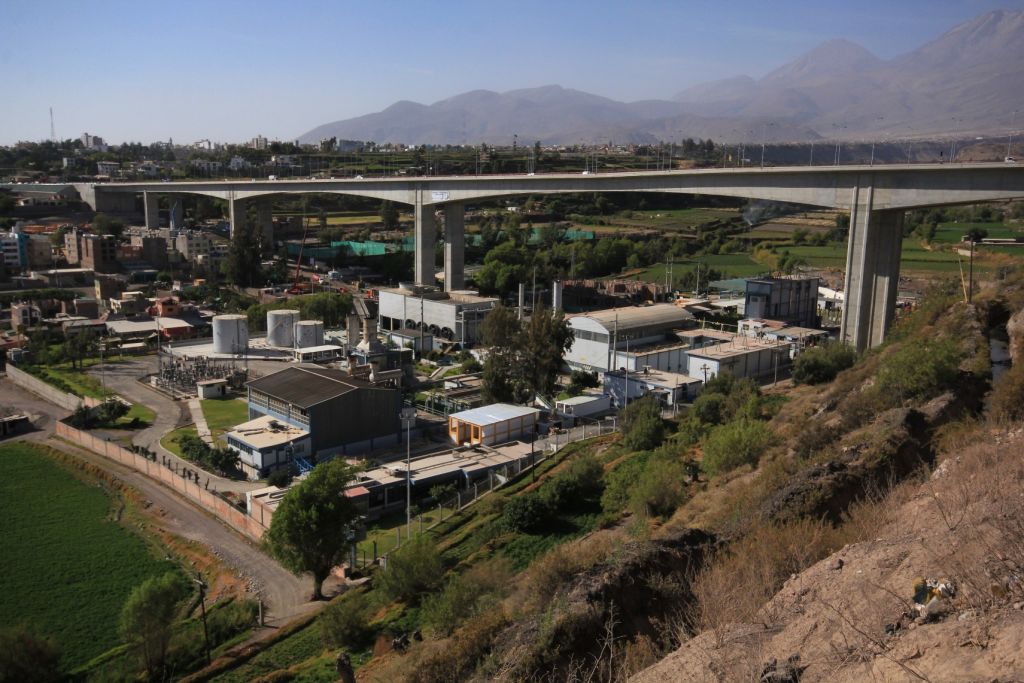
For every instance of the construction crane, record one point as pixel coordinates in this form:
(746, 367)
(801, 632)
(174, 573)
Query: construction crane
(298, 261)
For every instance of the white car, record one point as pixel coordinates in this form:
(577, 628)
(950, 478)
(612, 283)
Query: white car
(1010, 160)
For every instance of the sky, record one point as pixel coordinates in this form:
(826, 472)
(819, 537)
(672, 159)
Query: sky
(228, 70)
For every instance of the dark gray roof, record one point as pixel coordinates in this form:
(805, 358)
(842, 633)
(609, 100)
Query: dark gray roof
(307, 386)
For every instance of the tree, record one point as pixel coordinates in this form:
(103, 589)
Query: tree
(310, 531)
(79, 345)
(546, 339)
(642, 426)
(102, 224)
(502, 376)
(412, 570)
(389, 215)
(243, 266)
(147, 618)
(26, 658)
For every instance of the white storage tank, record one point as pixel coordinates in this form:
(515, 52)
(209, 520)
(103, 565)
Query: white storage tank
(309, 333)
(230, 334)
(280, 326)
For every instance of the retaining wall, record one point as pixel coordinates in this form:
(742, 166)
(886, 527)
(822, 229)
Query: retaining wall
(51, 393)
(208, 500)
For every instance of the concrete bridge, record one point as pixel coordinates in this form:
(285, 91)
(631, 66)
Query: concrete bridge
(876, 197)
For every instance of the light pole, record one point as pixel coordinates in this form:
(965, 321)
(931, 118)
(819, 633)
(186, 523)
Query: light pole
(202, 602)
(1009, 143)
(408, 416)
(952, 144)
(764, 132)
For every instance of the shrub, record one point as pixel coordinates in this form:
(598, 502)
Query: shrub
(820, 364)
(527, 513)
(466, 594)
(1007, 400)
(26, 657)
(343, 623)
(642, 426)
(734, 444)
(231, 619)
(660, 489)
(919, 370)
(280, 478)
(708, 407)
(413, 569)
(580, 482)
(619, 483)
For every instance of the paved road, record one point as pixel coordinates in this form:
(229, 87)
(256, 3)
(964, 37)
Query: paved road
(284, 594)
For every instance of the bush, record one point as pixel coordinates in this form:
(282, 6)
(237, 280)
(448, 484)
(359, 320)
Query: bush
(734, 444)
(1006, 403)
(619, 483)
(235, 617)
(708, 408)
(642, 426)
(525, 513)
(660, 489)
(820, 364)
(280, 478)
(580, 482)
(465, 595)
(343, 623)
(919, 370)
(26, 658)
(413, 569)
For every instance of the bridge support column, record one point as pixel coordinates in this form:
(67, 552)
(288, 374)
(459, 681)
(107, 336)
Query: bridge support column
(426, 236)
(454, 247)
(265, 221)
(872, 272)
(151, 209)
(236, 214)
(177, 215)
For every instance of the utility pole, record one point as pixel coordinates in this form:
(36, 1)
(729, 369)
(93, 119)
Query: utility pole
(202, 602)
(408, 416)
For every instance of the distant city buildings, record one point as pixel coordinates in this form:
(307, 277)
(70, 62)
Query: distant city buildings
(258, 142)
(93, 142)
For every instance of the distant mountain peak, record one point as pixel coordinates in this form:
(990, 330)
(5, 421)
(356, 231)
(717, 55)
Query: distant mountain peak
(832, 57)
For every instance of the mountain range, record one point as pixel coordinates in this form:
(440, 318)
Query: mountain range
(967, 81)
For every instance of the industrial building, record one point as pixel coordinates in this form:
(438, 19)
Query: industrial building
(792, 299)
(671, 388)
(493, 424)
(342, 413)
(629, 337)
(452, 316)
(587, 405)
(266, 444)
(742, 357)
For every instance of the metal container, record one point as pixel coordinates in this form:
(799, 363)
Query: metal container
(230, 334)
(309, 333)
(280, 325)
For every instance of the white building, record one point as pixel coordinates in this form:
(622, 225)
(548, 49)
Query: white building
(237, 163)
(671, 388)
(757, 358)
(493, 424)
(629, 337)
(455, 316)
(266, 444)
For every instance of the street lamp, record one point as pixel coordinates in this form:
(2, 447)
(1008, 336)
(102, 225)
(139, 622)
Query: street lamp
(408, 416)
(764, 132)
(1009, 143)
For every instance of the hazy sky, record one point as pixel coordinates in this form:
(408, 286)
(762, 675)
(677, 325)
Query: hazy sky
(225, 70)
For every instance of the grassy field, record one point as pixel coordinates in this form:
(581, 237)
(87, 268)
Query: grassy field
(674, 219)
(170, 439)
(915, 258)
(67, 565)
(222, 414)
(730, 265)
(80, 383)
(952, 233)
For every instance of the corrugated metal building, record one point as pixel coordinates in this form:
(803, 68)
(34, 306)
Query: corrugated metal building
(493, 424)
(343, 414)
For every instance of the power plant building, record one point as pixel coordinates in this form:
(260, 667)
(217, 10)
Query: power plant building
(343, 414)
(452, 316)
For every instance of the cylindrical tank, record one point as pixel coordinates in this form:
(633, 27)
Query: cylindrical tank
(280, 326)
(309, 333)
(230, 334)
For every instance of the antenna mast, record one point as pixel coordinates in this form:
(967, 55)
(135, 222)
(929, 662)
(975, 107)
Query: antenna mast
(53, 131)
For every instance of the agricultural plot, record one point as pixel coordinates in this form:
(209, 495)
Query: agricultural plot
(915, 258)
(952, 233)
(674, 219)
(68, 565)
(730, 265)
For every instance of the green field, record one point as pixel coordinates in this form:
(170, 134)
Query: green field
(76, 381)
(915, 258)
(170, 439)
(673, 219)
(952, 233)
(730, 265)
(67, 566)
(222, 414)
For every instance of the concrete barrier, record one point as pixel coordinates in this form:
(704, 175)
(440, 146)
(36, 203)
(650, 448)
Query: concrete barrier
(47, 391)
(207, 500)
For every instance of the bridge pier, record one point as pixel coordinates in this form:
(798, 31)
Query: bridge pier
(872, 272)
(265, 222)
(236, 214)
(151, 209)
(426, 237)
(177, 214)
(454, 247)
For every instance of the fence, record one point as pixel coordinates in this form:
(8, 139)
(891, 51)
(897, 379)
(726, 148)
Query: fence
(49, 392)
(181, 481)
